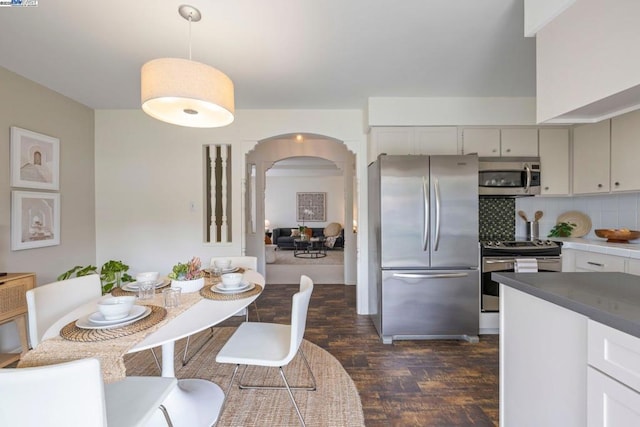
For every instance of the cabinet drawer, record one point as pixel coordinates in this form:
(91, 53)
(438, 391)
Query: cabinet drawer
(587, 261)
(609, 403)
(615, 353)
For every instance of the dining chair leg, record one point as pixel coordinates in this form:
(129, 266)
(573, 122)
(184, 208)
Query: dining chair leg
(153, 352)
(166, 415)
(226, 394)
(312, 387)
(186, 360)
(295, 405)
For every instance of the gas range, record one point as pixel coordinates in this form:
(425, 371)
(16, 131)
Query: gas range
(520, 248)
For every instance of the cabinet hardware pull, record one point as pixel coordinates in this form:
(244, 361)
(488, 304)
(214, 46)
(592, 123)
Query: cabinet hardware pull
(597, 264)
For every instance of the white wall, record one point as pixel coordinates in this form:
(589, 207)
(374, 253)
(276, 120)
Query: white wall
(605, 211)
(148, 173)
(28, 105)
(280, 199)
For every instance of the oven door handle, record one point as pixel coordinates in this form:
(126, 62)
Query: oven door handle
(511, 261)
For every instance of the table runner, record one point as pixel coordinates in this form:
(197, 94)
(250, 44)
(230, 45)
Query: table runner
(110, 353)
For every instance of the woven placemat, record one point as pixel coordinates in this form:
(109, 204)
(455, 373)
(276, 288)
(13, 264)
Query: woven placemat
(119, 292)
(73, 333)
(207, 293)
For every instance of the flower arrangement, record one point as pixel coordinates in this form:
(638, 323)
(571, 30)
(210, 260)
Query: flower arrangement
(187, 271)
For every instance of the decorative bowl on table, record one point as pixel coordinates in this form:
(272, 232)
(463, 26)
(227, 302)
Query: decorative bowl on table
(148, 276)
(222, 264)
(231, 280)
(116, 307)
(617, 235)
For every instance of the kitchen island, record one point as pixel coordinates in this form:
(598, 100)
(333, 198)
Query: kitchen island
(569, 349)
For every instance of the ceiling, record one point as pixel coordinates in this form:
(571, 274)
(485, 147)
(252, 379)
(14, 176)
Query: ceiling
(296, 54)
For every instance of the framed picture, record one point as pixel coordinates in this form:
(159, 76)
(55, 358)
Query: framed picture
(35, 160)
(35, 219)
(310, 207)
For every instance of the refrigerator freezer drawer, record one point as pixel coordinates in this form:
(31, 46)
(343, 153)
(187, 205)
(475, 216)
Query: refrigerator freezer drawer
(425, 304)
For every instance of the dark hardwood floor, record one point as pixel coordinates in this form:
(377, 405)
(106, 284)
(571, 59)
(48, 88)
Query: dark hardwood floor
(407, 383)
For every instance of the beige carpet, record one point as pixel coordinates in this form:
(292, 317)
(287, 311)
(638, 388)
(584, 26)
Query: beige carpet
(335, 403)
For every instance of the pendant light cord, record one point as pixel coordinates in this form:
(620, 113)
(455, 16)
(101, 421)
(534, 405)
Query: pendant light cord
(189, 37)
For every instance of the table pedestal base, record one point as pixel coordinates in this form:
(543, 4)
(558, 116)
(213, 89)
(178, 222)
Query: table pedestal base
(193, 403)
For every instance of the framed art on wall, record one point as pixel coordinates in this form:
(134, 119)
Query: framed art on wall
(310, 207)
(35, 160)
(35, 219)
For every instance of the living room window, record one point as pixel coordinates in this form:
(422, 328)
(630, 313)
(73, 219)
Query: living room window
(218, 200)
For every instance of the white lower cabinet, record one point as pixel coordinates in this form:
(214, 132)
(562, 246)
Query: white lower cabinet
(560, 368)
(591, 261)
(543, 359)
(609, 403)
(613, 380)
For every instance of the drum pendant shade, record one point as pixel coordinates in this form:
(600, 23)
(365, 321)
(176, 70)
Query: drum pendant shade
(186, 93)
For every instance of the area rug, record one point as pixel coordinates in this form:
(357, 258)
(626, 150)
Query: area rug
(335, 402)
(285, 256)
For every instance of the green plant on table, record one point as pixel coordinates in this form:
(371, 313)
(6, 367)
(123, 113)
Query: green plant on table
(562, 229)
(111, 274)
(187, 271)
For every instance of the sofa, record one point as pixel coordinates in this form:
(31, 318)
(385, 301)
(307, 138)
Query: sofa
(284, 240)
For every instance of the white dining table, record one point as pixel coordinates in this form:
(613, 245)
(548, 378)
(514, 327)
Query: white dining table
(194, 402)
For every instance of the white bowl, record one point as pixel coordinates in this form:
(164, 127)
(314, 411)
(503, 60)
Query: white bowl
(231, 280)
(148, 276)
(188, 286)
(223, 264)
(117, 307)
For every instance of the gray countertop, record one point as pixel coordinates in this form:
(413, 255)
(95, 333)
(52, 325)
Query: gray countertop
(612, 299)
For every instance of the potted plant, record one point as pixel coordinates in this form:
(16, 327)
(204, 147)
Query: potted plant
(112, 274)
(561, 229)
(187, 276)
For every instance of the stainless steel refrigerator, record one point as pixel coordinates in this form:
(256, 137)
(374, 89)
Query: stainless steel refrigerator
(423, 246)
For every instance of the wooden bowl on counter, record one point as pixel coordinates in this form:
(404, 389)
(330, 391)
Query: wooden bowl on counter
(617, 235)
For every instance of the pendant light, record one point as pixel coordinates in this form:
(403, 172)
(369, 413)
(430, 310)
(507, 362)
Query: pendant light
(185, 92)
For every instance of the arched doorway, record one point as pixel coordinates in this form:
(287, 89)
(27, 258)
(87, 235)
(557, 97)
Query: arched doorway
(271, 150)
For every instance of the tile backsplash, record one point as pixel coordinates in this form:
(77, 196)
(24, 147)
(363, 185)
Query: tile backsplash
(605, 211)
(497, 218)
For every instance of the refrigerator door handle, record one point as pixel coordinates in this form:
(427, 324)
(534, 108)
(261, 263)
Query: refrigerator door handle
(429, 276)
(436, 242)
(425, 225)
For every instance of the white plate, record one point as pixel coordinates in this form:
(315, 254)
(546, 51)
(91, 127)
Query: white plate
(230, 270)
(245, 287)
(96, 321)
(133, 286)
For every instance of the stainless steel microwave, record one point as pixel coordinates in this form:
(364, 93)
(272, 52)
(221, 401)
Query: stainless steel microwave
(508, 176)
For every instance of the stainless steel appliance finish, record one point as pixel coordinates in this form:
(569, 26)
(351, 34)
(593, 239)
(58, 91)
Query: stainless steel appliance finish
(509, 176)
(424, 250)
(499, 256)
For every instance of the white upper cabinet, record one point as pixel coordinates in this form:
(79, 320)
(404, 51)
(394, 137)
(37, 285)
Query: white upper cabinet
(412, 140)
(519, 142)
(587, 66)
(436, 140)
(591, 155)
(493, 142)
(554, 162)
(625, 152)
(484, 141)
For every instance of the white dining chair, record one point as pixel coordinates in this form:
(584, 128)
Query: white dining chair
(271, 345)
(72, 394)
(48, 303)
(245, 262)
